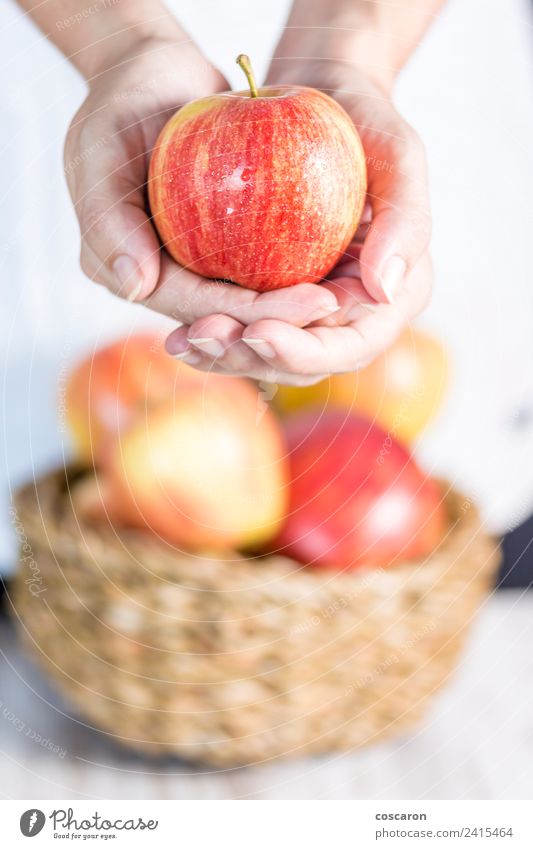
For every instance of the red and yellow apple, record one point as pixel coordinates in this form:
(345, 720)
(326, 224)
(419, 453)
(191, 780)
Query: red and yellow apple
(195, 457)
(108, 390)
(208, 470)
(263, 187)
(401, 390)
(357, 498)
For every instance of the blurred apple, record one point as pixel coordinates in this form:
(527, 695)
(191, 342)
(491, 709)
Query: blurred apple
(108, 390)
(357, 498)
(208, 470)
(401, 390)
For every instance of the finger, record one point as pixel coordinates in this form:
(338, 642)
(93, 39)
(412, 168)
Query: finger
(353, 300)
(304, 351)
(267, 378)
(401, 224)
(107, 187)
(219, 336)
(214, 340)
(179, 345)
(185, 296)
(332, 350)
(215, 334)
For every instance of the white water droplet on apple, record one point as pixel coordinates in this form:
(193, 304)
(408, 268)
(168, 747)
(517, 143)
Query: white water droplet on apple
(235, 180)
(229, 210)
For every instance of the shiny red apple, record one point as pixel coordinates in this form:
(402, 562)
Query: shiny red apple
(357, 497)
(263, 187)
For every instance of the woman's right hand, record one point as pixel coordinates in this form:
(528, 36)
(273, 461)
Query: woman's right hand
(107, 152)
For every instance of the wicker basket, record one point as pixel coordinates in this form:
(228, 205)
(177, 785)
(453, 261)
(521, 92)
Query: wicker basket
(236, 661)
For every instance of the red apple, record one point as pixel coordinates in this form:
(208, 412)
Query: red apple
(263, 187)
(206, 470)
(112, 387)
(357, 497)
(402, 389)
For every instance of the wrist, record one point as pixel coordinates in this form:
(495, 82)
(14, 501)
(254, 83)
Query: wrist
(354, 32)
(113, 35)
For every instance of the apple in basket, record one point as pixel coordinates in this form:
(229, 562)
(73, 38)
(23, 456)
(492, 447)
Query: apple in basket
(207, 469)
(262, 187)
(401, 389)
(111, 388)
(357, 498)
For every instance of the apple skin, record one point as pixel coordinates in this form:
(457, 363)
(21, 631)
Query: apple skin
(402, 389)
(263, 191)
(357, 498)
(110, 388)
(204, 471)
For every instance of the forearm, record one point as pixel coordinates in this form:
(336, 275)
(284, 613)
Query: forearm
(376, 36)
(93, 35)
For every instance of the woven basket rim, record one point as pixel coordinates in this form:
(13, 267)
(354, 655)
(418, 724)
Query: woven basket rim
(309, 691)
(48, 499)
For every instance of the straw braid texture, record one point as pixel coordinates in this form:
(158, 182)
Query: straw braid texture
(233, 661)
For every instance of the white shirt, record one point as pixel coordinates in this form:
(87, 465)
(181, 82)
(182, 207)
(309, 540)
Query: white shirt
(468, 91)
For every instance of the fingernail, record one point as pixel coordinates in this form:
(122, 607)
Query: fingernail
(188, 357)
(128, 274)
(329, 310)
(264, 349)
(208, 344)
(392, 276)
(323, 313)
(134, 295)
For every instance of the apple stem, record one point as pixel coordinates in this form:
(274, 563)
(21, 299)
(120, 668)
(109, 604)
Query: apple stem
(244, 62)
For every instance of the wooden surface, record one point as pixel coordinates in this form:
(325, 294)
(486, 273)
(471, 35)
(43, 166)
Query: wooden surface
(476, 743)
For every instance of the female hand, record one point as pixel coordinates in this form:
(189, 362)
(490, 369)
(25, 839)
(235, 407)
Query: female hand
(106, 161)
(385, 278)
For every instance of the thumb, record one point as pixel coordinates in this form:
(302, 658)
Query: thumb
(401, 223)
(119, 246)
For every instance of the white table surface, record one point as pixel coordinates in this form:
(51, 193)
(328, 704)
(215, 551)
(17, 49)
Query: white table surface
(476, 742)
